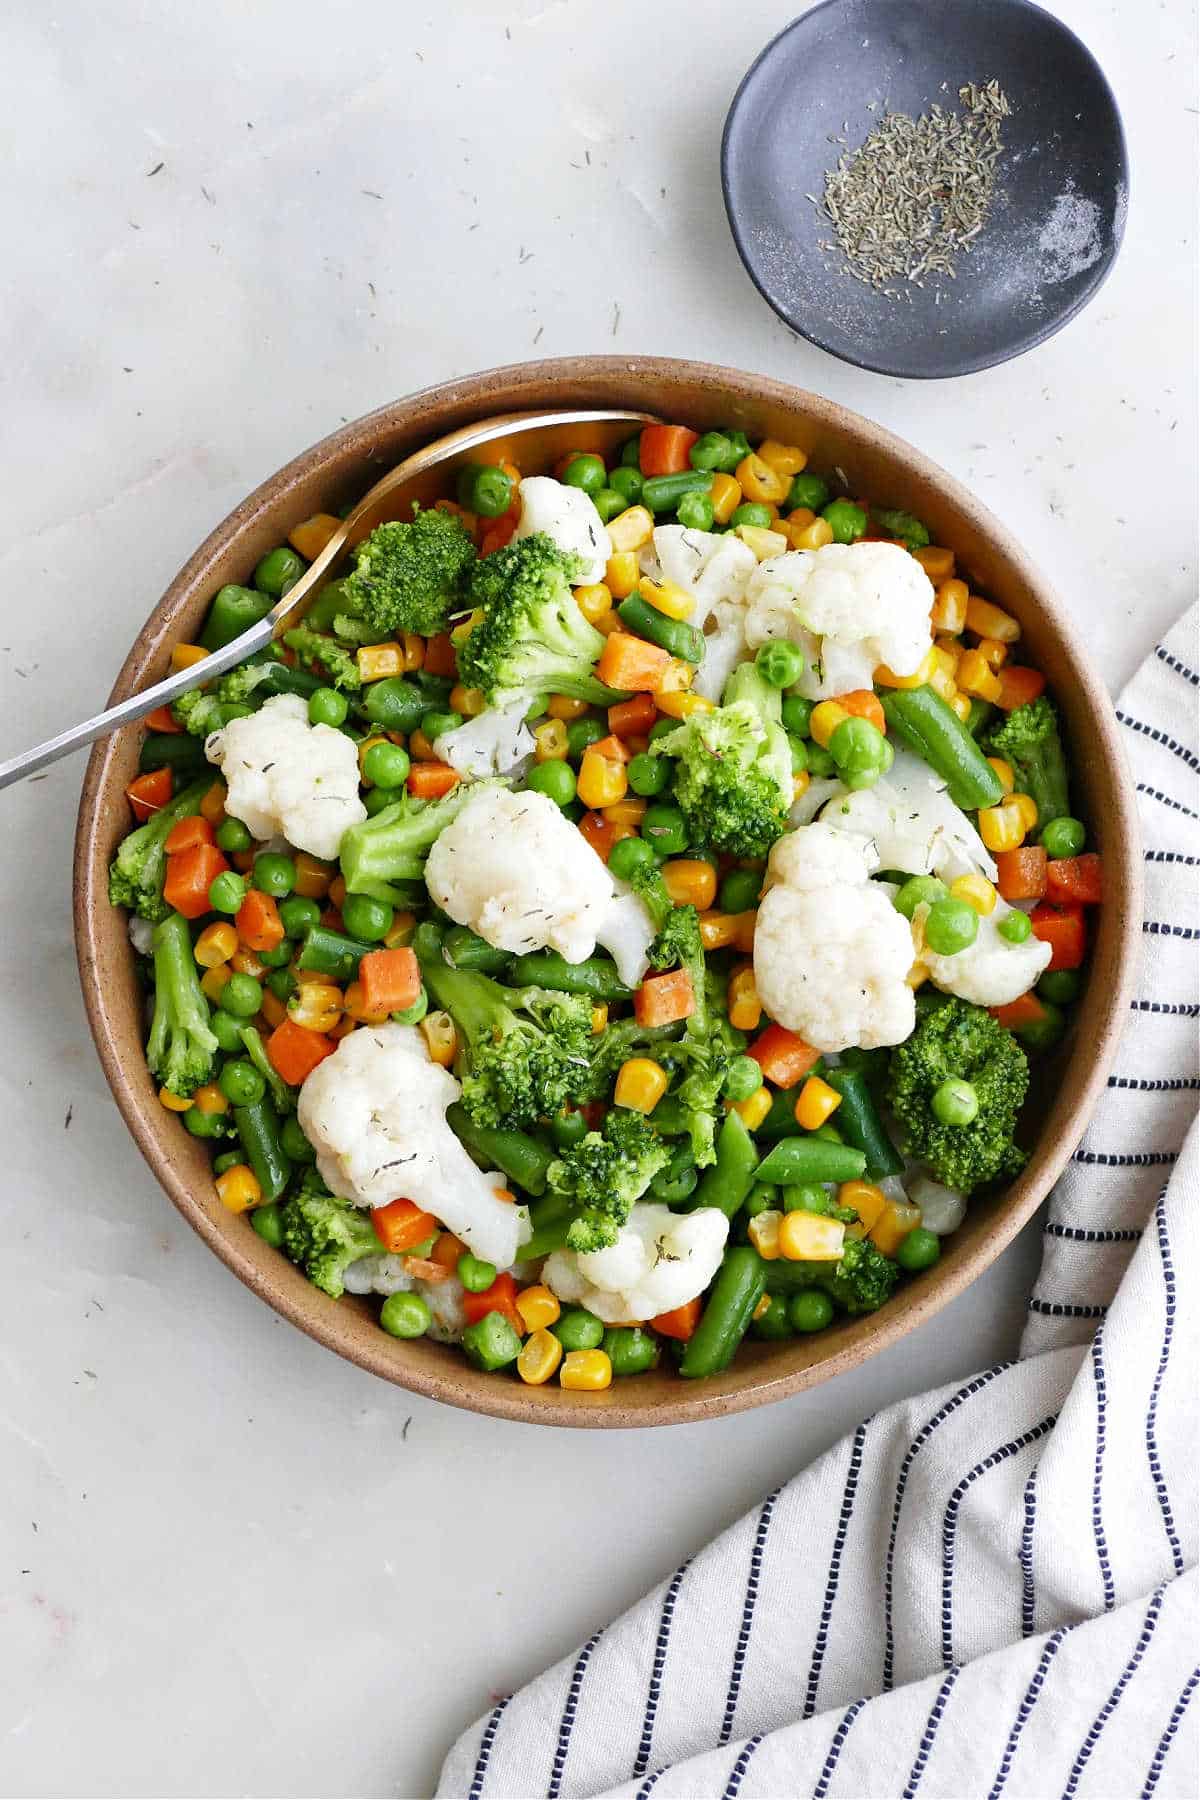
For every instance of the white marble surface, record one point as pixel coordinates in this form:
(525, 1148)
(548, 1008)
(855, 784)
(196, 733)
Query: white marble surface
(230, 1563)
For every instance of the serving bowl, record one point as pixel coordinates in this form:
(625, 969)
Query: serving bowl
(874, 462)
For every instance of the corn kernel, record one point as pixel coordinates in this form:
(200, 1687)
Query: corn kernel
(950, 647)
(377, 661)
(1002, 827)
(893, 1225)
(210, 1099)
(186, 656)
(988, 621)
(312, 876)
(343, 1028)
(917, 976)
(763, 1232)
(245, 962)
(759, 481)
(763, 542)
(726, 496)
(718, 930)
(317, 1006)
(173, 1102)
(621, 573)
(593, 601)
(800, 516)
(936, 560)
(441, 1039)
(763, 1307)
(462, 631)
(468, 701)
(550, 741)
(864, 1198)
(786, 459)
(885, 677)
(602, 779)
(215, 945)
(811, 537)
(1026, 805)
(800, 781)
(355, 1007)
(538, 1307)
(827, 715)
(630, 530)
(743, 936)
(681, 705)
(599, 1017)
(586, 1371)
(745, 1007)
(690, 881)
(420, 747)
(310, 538)
(1004, 773)
(950, 606)
(238, 1189)
(676, 677)
(975, 678)
(809, 1237)
(540, 1356)
(273, 1009)
(212, 807)
(960, 706)
(629, 811)
(977, 891)
(817, 1101)
(561, 706)
(753, 1111)
(640, 1084)
(400, 931)
(943, 684)
(993, 652)
(668, 597)
(413, 652)
(213, 981)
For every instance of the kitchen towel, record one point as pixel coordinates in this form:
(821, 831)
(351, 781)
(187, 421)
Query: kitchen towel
(990, 1590)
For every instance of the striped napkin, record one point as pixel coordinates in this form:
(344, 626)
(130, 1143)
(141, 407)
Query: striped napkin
(1008, 1603)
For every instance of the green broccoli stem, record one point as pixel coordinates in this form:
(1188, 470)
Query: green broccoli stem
(475, 1002)
(550, 1218)
(283, 1096)
(181, 1046)
(393, 846)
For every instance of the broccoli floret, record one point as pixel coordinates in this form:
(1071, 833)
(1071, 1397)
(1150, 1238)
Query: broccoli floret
(181, 1047)
(1029, 739)
(137, 872)
(393, 845)
(240, 687)
(603, 1175)
(325, 1235)
(964, 1041)
(859, 1282)
(316, 648)
(531, 637)
(734, 778)
(525, 1050)
(407, 577)
(199, 713)
(904, 525)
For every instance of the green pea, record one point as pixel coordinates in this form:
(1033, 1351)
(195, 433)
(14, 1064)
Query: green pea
(799, 754)
(273, 874)
(475, 1274)
(608, 503)
(279, 957)
(226, 1030)
(695, 511)
(436, 722)
(751, 512)
(242, 996)
(807, 1196)
(579, 1329)
(1063, 837)
(955, 1102)
(268, 1222)
(412, 1015)
(760, 1199)
(241, 1083)
(951, 926)
(386, 765)
(295, 1145)
(807, 490)
(227, 892)
(773, 1324)
(394, 704)
(628, 483)
(820, 762)
(649, 775)
(631, 453)
(328, 707)
(780, 662)
(228, 1159)
(586, 472)
(297, 914)
(581, 733)
(919, 1250)
(919, 890)
(377, 799)
(282, 983)
(406, 1315)
(555, 779)
(742, 1078)
(845, 520)
(628, 855)
(664, 827)
(674, 1184)
(810, 1310)
(278, 571)
(1044, 1033)
(1060, 986)
(1014, 927)
(491, 1343)
(366, 919)
(233, 837)
(568, 1128)
(485, 489)
(630, 1350)
(204, 1125)
(797, 716)
(861, 752)
(739, 890)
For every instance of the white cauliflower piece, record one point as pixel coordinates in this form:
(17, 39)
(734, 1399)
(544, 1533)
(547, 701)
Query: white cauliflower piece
(661, 1260)
(627, 932)
(288, 777)
(820, 789)
(943, 1209)
(374, 1112)
(495, 742)
(386, 1274)
(913, 823)
(831, 952)
(712, 566)
(514, 869)
(991, 971)
(141, 934)
(850, 607)
(569, 517)
(724, 648)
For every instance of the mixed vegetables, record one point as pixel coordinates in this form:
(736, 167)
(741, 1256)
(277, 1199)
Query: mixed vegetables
(616, 919)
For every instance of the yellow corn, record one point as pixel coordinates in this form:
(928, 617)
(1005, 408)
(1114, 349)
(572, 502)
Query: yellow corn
(961, 706)
(974, 677)
(213, 981)
(1002, 827)
(317, 1006)
(186, 656)
(210, 1099)
(1007, 779)
(786, 459)
(763, 1232)
(441, 1039)
(414, 652)
(608, 622)
(273, 1009)
(952, 647)
(629, 811)
(753, 1111)
(215, 945)
(376, 661)
(885, 677)
(238, 1189)
(743, 937)
(630, 530)
(468, 701)
(816, 1102)
(800, 781)
(936, 560)
(807, 1237)
(690, 881)
(312, 876)
(681, 705)
(718, 930)
(173, 1102)
(462, 631)
(764, 1306)
(950, 606)
(540, 1356)
(763, 542)
(354, 1007)
(993, 652)
(587, 1371)
(864, 1198)
(593, 601)
(811, 537)
(977, 891)
(667, 597)
(726, 495)
(917, 976)
(827, 715)
(310, 538)
(538, 1307)
(343, 1028)
(621, 571)
(561, 706)
(893, 1225)
(420, 746)
(760, 482)
(602, 779)
(988, 621)
(212, 807)
(640, 1084)
(677, 676)
(599, 1017)
(1027, 807)
(245, 962)
(745, 1007)
(941, 678)
(400, 931)
(550, 741)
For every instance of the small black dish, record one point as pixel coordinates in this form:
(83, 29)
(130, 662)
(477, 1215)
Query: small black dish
(1058, 209)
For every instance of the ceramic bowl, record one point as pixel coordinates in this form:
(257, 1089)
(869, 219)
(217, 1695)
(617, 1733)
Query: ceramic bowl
(874, 462)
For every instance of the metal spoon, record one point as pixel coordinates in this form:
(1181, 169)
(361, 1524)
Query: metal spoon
(413, 479)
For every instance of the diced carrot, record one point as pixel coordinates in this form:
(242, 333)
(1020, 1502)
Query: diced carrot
(148, 793)
(599, 832)
(163, 720)
(501, 1297)
(258, 923)
(862, 703)
(497, 533)
(665, 449)
(1076, 878)
(422, 1269)
(680, 1322)
(783, 1057)
(664, 999)
(187, 833)
(1027, 1010)
(390, 980)
(440, 657)
(332, 919)
(611, 749)
(401, 1224)
(189, 877)
(447, 1251)
(430, 780)
(1018, 686)
(630, 663)
(1063, 928)
(593, 1114)
(1021, 874)
(295, 1052)
(632, 718)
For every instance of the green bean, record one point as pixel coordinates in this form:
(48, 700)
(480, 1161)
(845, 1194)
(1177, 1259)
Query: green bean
(925, 724)
(546, 968)
(735, 1293)
(861, 1125)
(234, 610)
(522, 1158)
(810, 1159)
(172, 750)
(675, 636)
(550, 1218)
(662, 493)
(467, 951)
(395, 704)
(727, 1181)
(330, 953)
(258, 1129)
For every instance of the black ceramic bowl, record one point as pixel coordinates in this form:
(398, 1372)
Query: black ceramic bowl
(1059, 203)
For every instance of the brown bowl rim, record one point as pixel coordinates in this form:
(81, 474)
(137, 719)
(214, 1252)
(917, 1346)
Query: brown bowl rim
(558, 382)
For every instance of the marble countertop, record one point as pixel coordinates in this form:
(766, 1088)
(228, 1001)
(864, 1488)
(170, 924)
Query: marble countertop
(231, 1563)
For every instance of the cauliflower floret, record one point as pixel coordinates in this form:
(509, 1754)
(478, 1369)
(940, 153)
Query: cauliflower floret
(913, 823)
(288, 777)
(713, 566)
(386, 1274)
(568, 516)
(660, 1261)
(724, 648)
(495, 742)
(831, 952)
(374, 1112)
(515, 870)
(850, 607)
(627, 932)
(991, 971)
